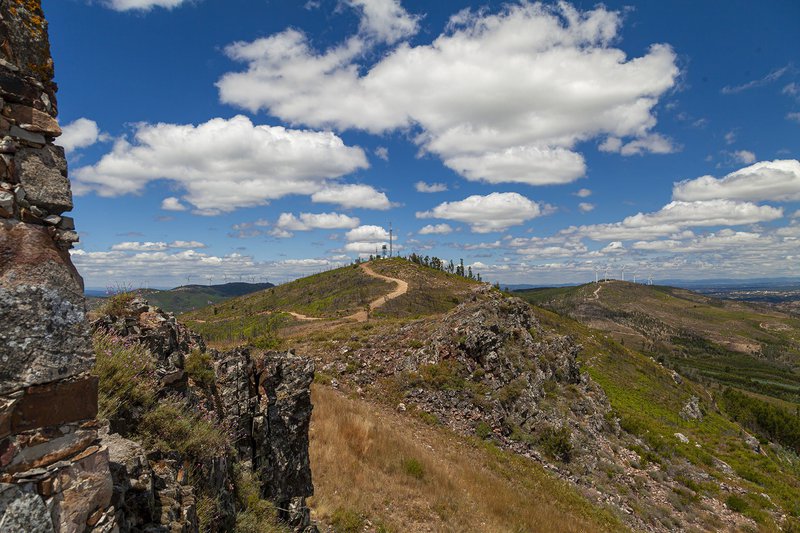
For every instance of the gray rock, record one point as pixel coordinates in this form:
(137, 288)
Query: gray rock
(7, 145)
(43, 173)
(25, 135)
(67, 223)
(692, 409)
(23, 511)
(53, 220)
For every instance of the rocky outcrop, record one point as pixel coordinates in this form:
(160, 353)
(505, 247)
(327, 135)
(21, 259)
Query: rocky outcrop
(262, 399)
(54, 474)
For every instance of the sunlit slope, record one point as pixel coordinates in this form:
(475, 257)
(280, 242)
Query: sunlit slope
(400, 474)
(721, 341)
(648, 399)
(332, 294)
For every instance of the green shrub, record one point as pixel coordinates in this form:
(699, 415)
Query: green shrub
(556, 443)
(429, 418)
(126, 376)
(736, 503)
(511, 392)
(171, 426)
(117, 305)
(446, 375)
(346, 521)
(200, 367)
(483, 430)
(413, 468)
(255, 515)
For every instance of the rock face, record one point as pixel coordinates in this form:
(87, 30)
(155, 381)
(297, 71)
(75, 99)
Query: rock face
(265, 401)
(54, 474)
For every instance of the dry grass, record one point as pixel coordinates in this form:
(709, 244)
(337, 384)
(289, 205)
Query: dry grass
(400, 475)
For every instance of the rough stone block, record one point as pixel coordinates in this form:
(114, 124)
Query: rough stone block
(43, 335)
(32, 119)
(26, 34)
(55, 403)
(86, 487)
(43, 173)
(42, 448)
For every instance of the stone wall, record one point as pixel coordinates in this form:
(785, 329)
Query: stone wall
(54, 474)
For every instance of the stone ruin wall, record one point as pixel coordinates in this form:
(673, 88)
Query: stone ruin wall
(54, 474)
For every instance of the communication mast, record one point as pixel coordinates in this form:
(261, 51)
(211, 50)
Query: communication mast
(390, 239)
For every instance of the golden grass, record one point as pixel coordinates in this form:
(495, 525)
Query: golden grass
(402, 475)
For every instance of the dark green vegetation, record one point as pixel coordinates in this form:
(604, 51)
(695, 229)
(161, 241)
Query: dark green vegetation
(714, 341)
(189, 297)
(768, 421)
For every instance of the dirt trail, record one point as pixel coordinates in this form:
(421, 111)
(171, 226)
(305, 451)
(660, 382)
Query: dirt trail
(402, 288)
(597, 292)
(359, 316)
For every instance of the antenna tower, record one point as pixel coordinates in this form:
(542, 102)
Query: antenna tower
(390, 239)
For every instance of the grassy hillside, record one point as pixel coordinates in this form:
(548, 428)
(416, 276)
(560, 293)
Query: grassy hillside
(332, 294)
(430, 291)
(718, 341)
(401, 474)
(648, 400)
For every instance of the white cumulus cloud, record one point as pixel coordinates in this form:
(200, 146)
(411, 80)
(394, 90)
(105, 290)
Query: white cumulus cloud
(142, 5)
(353, 195)
(676, 216)
(777, 180)
(310, 221)
(436, 229)
(493, 212)
(150, 246)
(172, 204)
(80, 133)
(421, 186)
(499, 97)
(385, 20)
(222, 164)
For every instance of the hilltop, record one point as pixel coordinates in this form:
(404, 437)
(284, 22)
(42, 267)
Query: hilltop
(525, 393)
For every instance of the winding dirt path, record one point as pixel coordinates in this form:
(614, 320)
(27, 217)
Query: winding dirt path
(596, 292)
(402, 288)
(359, 316)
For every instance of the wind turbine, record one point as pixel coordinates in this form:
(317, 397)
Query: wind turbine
(650, 279)
(634, 275)
(623, 272)
(605, 278)
(596, 270)
(188, 278)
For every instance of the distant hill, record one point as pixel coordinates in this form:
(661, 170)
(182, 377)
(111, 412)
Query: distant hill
(188, 297)
(751, 347)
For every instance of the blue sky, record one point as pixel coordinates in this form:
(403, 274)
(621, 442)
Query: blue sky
(212, 140)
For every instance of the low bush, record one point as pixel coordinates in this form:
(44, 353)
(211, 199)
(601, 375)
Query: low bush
(200, 367)
(126, 377)
(413, 468)
(556, 443)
